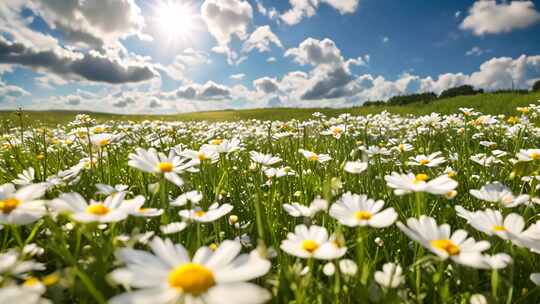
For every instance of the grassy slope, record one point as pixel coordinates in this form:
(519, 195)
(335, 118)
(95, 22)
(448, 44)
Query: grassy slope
(486, 103)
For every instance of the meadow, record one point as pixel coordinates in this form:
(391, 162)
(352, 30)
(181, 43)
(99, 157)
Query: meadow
(364, 205)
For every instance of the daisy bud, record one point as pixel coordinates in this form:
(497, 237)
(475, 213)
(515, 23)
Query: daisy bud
(348, 267)
(233, 219)
(379, 241)
(329, 269)
(478, 299)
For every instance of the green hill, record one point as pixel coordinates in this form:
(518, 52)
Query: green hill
(501, 103)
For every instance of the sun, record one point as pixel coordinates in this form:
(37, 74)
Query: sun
(175, 20)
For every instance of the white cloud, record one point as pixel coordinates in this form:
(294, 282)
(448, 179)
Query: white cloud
(490, 17)
(185, 61)
(239, 76)
(92, 23)
(476, 51)
(307, 8)
(266, 85)
(271, 59)
(261, 39)
(10, 93)
(226, 19)
(385, 39)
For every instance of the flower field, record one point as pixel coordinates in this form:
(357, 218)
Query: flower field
(380, 208)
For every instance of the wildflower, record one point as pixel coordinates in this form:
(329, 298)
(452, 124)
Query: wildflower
(357, 210)
(214, 212)
(355, 167)
(432, 160)
(312, 156)
(108, 211)
(152, 162)
(191, 196)
(174, 227)
(21, 207)
(391, 276)
(312, 242)
(264, 159)
(498, 193)
(298, 210)
(408, 183)
(491, 222)
(25, 178)
(437, 239)
(329, 269)
(168, 275)
(526, 155)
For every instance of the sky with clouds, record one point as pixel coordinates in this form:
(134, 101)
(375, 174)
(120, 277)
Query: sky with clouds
(169, 56)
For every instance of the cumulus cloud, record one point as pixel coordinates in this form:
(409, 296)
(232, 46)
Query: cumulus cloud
(301, 9)
(261, 39)
(208, 91)
(331, 76)
(9, 93)
(271, 13)
(185, 61)
(91, 66)
(316, 52)
(226, 19)
(266, 85)
(490, 17)
(92, 23)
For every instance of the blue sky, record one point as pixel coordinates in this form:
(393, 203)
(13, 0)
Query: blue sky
(133, 56)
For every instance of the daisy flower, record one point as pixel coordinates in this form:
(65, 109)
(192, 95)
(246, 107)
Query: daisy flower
(135, 207)
(151, 161)
(432, 160)
(357, 210)
(25, 178)
(109, 190)
(73, 204)
(391, 276)
(526, 155)
(197, 157)
(439, 240)
(312, 156)
(499, 193)
(355, 167)
(169, 275)
(264, 159)
(222, 145)
(408, 183)
(299, 210)
(491, 222)
(192, 196)
(21, 207)
(214, 212)
(312, 242)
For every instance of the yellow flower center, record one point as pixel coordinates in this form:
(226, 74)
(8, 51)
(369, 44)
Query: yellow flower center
(313, 157)
(534, 155)
(104, 142)
(401, 147)
(424, 161)
(421, 177)
(513, 120)
(446, 245)
(310, 245)
(165, 167)
(498, 228)
(363, 215)
(201, 156)
(9, 204)
(98, 209)
(31, 281)
(199, 213)
(337, 131)
(191, 278)
(216, 141)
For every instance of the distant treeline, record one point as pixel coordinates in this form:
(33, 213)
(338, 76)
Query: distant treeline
(451, 92)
